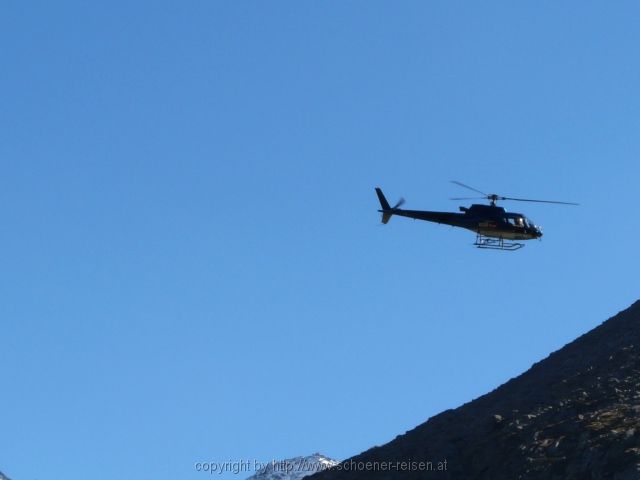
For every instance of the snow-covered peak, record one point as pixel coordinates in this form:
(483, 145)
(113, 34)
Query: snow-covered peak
(294, 468)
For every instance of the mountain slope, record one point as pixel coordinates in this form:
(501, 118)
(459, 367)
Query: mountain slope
(574, 415)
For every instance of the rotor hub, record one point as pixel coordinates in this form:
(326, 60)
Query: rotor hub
(493, 198)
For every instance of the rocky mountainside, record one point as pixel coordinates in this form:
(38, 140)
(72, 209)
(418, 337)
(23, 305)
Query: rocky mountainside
(294, 468)
(572, 416)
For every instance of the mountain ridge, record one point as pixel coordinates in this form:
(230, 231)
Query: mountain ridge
(573, 415)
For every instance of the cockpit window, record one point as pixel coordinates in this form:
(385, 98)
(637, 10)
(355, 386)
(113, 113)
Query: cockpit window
(516, 221)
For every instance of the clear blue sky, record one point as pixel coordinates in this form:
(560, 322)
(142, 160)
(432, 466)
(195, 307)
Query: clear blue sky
(192, 263)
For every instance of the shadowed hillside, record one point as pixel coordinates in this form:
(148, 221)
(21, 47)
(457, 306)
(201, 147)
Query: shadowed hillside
(574, 415)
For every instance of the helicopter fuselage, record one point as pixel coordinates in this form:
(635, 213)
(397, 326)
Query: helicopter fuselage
(487, 220)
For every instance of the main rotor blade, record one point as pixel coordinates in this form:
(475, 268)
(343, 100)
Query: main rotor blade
(538, 201)
(467, 198)
(468, 187)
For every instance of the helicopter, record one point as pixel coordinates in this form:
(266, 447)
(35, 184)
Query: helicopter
(495, 228)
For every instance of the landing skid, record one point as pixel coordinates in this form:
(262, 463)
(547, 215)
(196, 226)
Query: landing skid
(496, 243)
